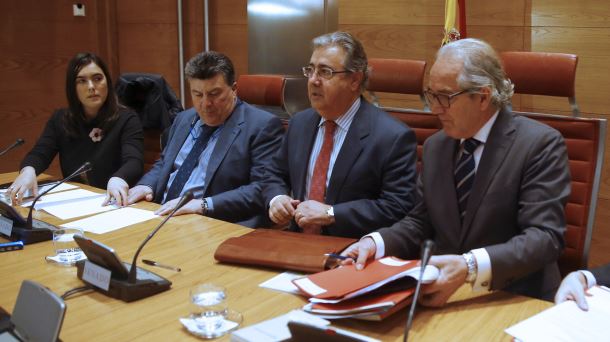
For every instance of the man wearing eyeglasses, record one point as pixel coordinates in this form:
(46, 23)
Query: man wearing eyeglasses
(218, 150)
(493, 187)
(345, 167)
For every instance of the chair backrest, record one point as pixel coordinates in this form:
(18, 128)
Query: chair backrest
(584, 139)
(543, 73)
(401, 76)
(263, 90)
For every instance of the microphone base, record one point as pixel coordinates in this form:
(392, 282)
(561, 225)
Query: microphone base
(147, 284)
(41, 231)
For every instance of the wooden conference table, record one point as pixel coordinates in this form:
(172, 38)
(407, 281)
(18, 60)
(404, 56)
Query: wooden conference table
(189, 242)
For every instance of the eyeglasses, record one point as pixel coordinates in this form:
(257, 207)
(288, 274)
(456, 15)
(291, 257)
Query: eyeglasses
(443, 100)
(324, 72)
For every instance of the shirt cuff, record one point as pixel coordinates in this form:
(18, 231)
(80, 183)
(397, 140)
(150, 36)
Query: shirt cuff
(210, 206)
(483, 279)
(379, 245)
(273, 200)
(591, 281)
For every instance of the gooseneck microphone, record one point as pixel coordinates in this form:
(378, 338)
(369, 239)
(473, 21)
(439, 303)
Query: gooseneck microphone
(187, 197)
(16, 144)
(86, 167)
(427, 250)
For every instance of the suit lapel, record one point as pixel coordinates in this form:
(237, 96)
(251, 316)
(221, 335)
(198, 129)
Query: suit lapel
(227, 136)
(442, 181)
(353, 145)
(300, 152)
(176, 144)
(494, 154)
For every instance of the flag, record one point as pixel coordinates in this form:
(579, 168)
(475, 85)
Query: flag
(455, 21)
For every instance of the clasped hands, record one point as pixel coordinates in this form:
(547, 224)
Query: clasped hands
(453, 271)
(307, 214)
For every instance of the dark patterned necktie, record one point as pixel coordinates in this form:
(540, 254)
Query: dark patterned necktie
(464, 174)
(189, 163)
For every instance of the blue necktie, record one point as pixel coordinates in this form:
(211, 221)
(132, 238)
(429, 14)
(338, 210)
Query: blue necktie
(464, 174)
(189, 163)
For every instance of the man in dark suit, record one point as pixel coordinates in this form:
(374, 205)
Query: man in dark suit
(493, 186)
(345, 167)
(218, 149)
(575, 285)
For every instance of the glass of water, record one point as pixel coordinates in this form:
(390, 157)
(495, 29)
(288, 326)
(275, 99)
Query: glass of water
(209, 308)
(67, 251)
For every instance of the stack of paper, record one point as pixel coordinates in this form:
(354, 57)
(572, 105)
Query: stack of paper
(113, 220)
(380, 289)
(65, 197)
(566, 322)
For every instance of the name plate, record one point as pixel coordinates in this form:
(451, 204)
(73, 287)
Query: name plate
(96, 275)
(6, 226)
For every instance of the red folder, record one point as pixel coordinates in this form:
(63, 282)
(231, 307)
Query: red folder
(346, 281)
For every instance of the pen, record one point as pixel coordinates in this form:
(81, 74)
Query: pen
(337, 256)
(158, 264)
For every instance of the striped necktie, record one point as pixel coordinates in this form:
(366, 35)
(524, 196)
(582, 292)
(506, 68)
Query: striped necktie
(189, 163)
(464, 174)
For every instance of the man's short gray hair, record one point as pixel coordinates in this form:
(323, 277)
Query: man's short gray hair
(482, 68)
(355, 59)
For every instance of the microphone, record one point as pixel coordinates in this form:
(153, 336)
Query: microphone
(427, 250)
(86, 167)
(17, 143)
(187, 197)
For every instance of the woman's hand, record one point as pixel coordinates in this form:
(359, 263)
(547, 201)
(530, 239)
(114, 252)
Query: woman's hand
(24, 182)
(117, 189)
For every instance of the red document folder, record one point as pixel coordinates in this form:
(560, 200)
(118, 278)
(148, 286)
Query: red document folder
(346, 282)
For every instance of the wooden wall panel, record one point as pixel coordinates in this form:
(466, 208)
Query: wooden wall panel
(581, 13)
(392, 12)
(495, 13)
(37, 41)
(229, 31)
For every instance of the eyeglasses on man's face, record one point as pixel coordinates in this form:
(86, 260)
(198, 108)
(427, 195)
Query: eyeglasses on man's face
(443, 100)
(323, 72)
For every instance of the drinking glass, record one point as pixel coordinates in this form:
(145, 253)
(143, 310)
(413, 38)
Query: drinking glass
(209, 308)
(67, 251)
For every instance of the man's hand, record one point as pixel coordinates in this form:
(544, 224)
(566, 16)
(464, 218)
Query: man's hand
(312, 214)
(282, 209)
(24, 182)
(453, 272)
(573, 287)
(192, 207)
(360, 251)
(138, 193)
(116, 189)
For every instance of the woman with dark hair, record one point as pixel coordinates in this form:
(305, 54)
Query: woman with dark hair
(94, 128)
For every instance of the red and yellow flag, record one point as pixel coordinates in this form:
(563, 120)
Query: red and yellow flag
(455, 20)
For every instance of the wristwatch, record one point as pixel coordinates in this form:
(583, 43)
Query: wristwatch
(471, 263)
(330, 212)
(204, 206)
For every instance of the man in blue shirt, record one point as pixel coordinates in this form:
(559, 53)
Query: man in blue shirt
(218, 149)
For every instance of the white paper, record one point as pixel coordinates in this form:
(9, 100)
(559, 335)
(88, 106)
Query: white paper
(566, 322)
(112, 220)
(63, 197)
(41, 189)
(310, 287)
(283, 282)
(79, 208)
(390, 261)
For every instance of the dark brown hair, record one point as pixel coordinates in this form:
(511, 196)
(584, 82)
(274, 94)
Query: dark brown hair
(75, 115)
